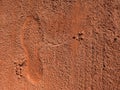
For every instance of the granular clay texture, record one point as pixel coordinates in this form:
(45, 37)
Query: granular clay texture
(60, 44)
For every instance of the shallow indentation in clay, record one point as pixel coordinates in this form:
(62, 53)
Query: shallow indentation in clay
(30, 38)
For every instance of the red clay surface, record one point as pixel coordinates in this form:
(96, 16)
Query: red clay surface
(59, 44)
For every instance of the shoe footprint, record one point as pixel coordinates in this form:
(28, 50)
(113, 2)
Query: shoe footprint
(31, 36)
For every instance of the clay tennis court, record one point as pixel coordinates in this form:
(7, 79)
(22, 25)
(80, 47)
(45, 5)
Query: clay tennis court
(59, 44)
